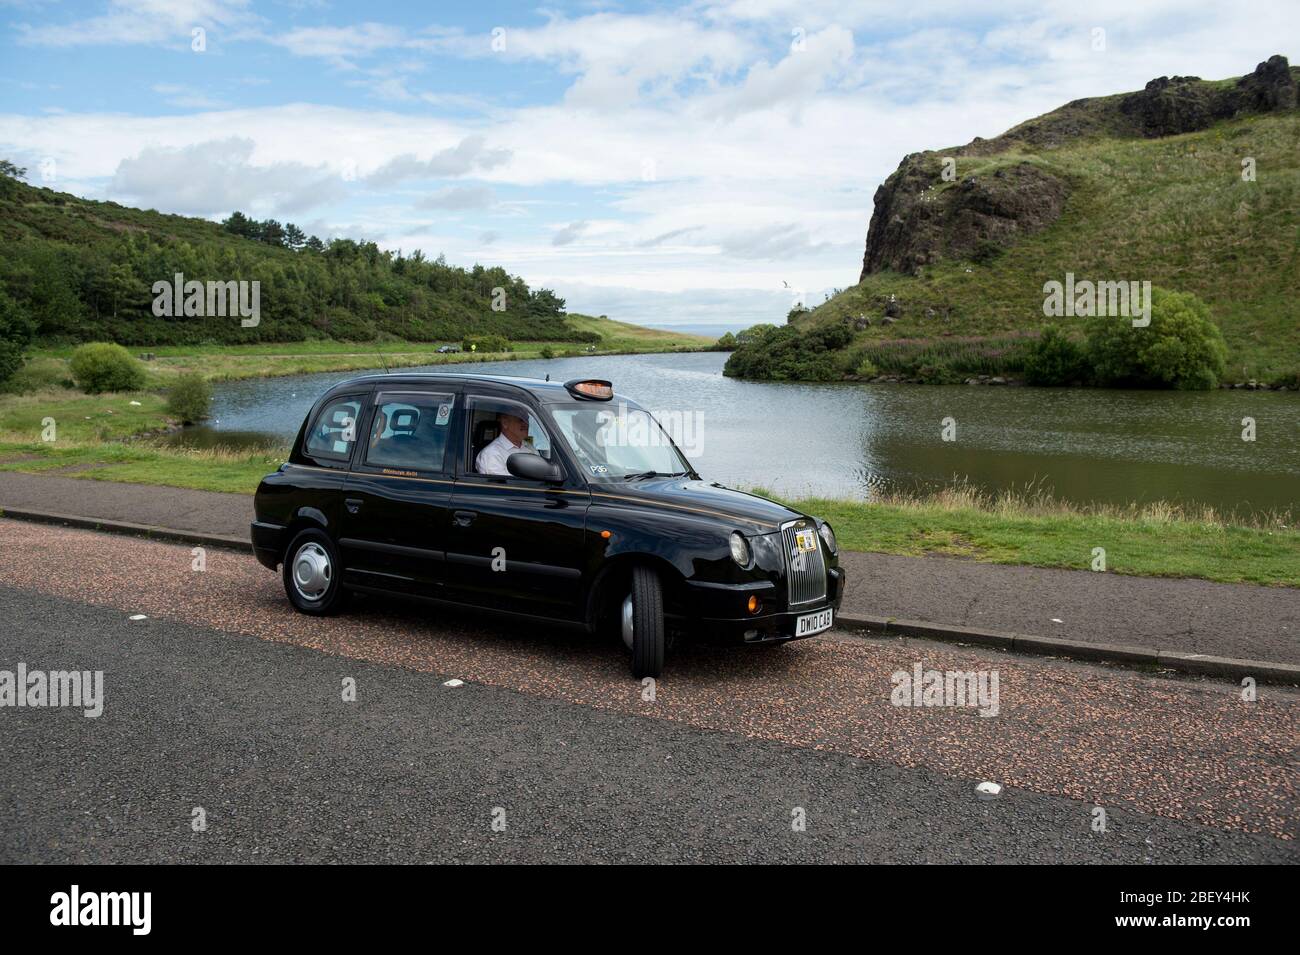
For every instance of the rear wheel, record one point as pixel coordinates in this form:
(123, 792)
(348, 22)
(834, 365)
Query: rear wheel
(312, 576)
(641, 620)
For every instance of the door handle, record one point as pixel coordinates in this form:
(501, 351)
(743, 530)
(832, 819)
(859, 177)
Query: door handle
(464, 518)
(353, 504)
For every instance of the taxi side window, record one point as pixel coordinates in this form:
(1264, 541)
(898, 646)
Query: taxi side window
(335, 430)
(409, 431)
(485, 427)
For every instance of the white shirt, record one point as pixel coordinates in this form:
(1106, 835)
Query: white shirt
(492, 459)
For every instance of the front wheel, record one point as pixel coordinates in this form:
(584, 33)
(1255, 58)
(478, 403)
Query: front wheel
(312, 575)
(642, 621)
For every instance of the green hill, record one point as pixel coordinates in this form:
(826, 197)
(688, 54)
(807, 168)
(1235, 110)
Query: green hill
(1147, 186)
(82, 270)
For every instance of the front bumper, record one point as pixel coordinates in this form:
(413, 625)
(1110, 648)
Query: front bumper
(717, 611)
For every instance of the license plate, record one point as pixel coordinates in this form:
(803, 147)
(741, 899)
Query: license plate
(806, 541)
(811, 623)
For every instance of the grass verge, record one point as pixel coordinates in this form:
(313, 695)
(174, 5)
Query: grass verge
(1157, 540)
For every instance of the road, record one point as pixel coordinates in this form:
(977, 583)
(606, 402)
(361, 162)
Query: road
(224, 699)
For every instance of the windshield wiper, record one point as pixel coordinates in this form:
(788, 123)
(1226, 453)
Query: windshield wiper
(641, 475)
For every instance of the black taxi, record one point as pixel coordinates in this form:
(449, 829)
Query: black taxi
(552, 501)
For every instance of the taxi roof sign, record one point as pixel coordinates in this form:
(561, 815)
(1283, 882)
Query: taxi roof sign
(596, 389)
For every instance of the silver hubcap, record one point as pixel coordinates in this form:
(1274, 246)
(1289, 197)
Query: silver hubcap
(312, 571)
(628, 626)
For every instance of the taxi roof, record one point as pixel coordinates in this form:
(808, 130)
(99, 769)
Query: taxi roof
(546, 392)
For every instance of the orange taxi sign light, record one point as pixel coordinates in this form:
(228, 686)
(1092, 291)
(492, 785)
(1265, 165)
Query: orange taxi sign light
(594, 388)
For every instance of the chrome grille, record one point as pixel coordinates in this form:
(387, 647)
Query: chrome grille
(807, 578)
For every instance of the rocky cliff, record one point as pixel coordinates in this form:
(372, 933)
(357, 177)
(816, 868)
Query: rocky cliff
(921, 217)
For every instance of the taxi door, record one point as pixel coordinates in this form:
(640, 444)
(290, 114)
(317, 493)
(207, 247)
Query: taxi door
(396, 522)
(516, 545)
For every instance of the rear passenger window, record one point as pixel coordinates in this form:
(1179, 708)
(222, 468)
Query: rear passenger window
(335, 429)
(409, 431)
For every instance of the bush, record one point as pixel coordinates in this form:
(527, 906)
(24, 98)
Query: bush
(344, 325)
(548, 352)
(793, 354)
(865, 369)
(1181, 348)
(100, 366)
(188, 398)
(1055, 359)
(16, 330)
(485, 343)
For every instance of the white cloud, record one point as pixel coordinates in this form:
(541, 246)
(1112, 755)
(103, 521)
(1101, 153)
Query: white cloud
(459, 198)
(186, 97)
(217, 177)
(469, 155)
(142, 22)
(569, 233)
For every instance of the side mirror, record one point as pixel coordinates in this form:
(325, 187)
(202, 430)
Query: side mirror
(534, 467)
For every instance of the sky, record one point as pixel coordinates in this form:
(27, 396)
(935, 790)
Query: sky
(702, 163)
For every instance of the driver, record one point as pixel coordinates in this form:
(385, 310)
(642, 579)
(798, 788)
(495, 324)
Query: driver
(511, 440)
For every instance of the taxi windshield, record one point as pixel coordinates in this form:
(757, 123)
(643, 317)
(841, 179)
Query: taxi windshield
(618, 443)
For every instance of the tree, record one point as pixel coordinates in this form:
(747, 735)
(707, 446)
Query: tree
(16, 330)
(240, 224)
(9, 173)
(294, 237)
(272, 233)
(314, 245)
(1181, 348)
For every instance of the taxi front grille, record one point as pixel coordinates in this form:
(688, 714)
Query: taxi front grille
(805, 573)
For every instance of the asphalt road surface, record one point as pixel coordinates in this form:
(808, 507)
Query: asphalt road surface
(225, 700)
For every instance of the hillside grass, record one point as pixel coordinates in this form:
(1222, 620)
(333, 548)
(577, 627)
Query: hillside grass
(1173, 211)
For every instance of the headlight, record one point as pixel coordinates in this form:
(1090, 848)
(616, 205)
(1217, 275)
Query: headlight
(740, 549)
(828, 537)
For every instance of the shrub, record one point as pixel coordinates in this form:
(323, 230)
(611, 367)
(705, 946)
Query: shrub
(346, 326)
(188, 398)
(1055, 359)
(548, 352)
(940, 373)
(486, 343)
(100, 366)
(16, 330)
(865, 369)
(1181, 348)
(793, 354)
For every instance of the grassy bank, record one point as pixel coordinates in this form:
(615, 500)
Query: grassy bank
(1156, 540)
(47, 366)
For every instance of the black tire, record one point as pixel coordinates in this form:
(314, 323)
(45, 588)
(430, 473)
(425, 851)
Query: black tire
(303, 592)
(647, 623)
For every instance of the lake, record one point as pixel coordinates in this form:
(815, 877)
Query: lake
(1087, 445)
